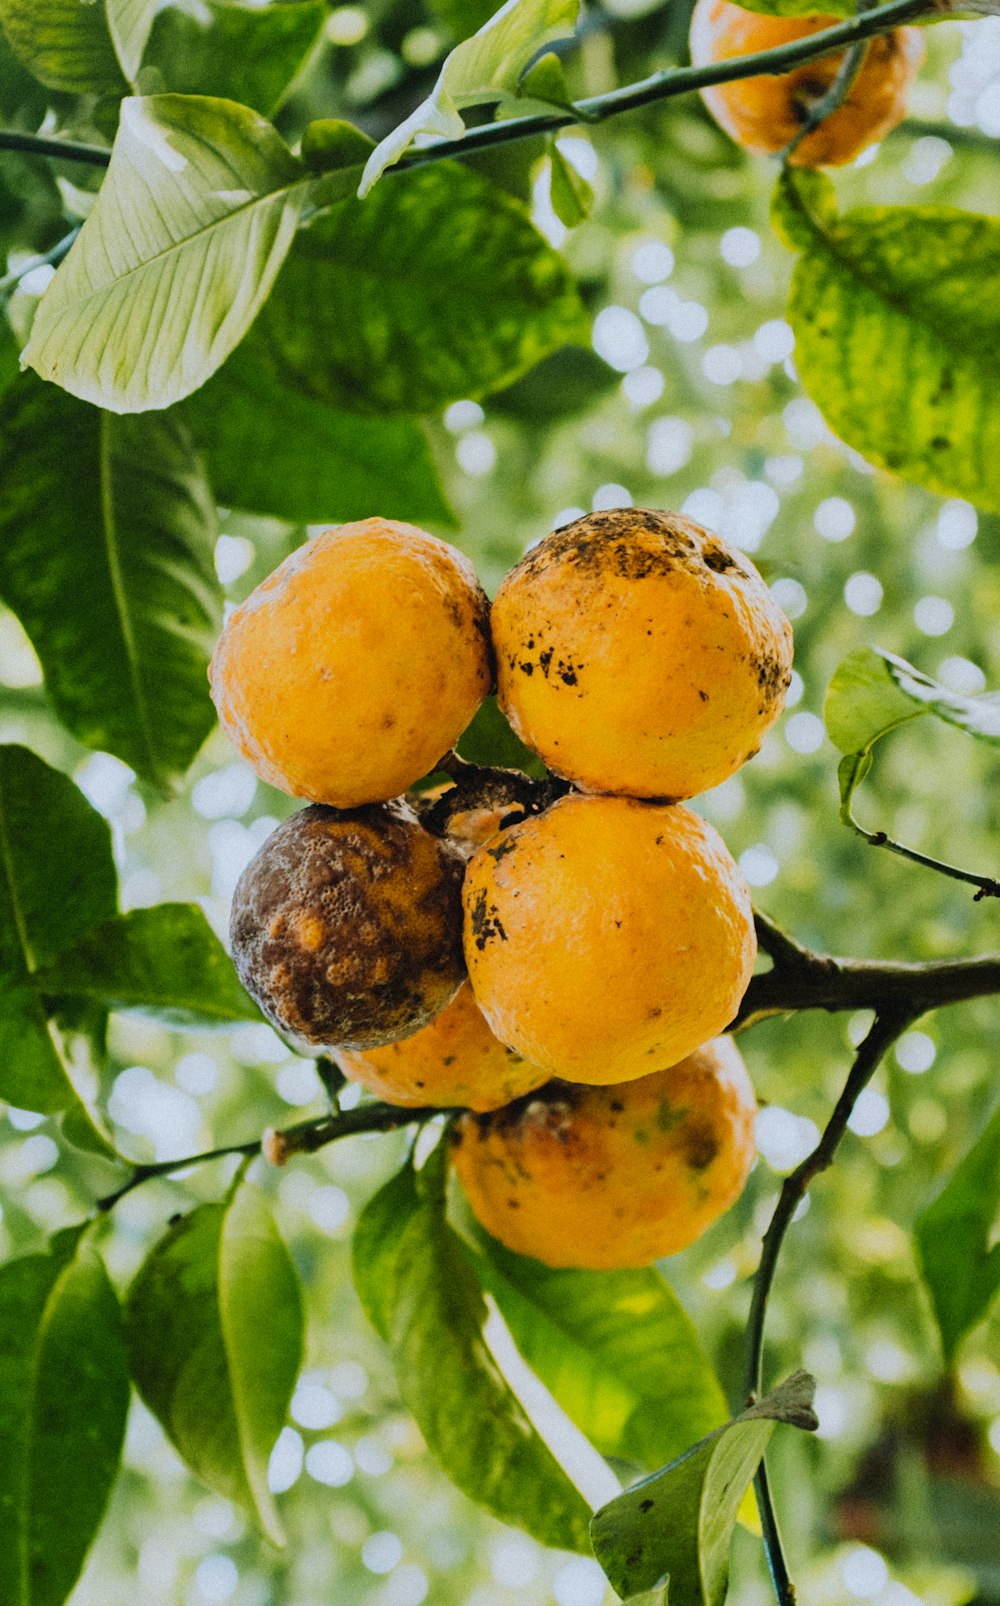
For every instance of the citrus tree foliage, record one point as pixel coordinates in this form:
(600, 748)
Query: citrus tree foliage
(245, 296)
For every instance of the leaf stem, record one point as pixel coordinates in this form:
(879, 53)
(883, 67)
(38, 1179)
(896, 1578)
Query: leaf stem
(887, 1026)
(303, 1138)
(63, 150)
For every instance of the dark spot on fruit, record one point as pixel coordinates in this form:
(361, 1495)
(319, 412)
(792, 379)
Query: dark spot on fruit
(485, 921)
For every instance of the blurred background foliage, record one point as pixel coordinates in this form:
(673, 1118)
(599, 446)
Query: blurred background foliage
(687, 399)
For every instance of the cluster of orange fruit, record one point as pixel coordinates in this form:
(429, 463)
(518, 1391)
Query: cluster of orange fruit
(559, 970)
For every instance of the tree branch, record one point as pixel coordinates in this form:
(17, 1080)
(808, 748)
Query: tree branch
(819, 981)
(63, 150)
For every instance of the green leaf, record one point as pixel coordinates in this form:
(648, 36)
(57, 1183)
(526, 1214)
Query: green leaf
(545, 80)
(569, 382)
(417, 1286)
(952, 1236)
(65, 44)
(166, 962)
(107, 539)
(801, 8)
(194, 218)
(490, 740)
(572, 197)
(435, 289)
(678, 1524)
(213, 1326)
(270, 449)
(615, 1349)
(64, 1394)
(330, 143)
(863, 702)
(130, 22)
(57, 881)
(978, 716)
(486, 68)
(896, 313)
(241, 53)
(463, 17)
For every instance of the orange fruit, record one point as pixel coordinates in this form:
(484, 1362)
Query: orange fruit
(765, 113)
(607, 936)
(610, 1177)
(455, 1060)
(351, 669)
(346, 927)
(640, 654)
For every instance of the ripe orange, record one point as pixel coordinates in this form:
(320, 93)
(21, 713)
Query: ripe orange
(765, 113)
(609, 1177)
(455, 1060)
(607, 936)
(346, 927)
(640, 654)
(349, 671)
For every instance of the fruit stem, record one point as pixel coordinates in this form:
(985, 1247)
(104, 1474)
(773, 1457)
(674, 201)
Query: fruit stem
(886, 1028)
(829, 102)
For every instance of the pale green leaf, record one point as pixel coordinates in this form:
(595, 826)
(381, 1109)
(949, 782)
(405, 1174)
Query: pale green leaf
(481, 70)
(381, 336)
(417, 1286)
(57, 881)
(545, 81)
(572, 197)
(677, 1525)
(961, 1270)
(615, 1349)
(65, 44)
(214, 1334)
(194, 218)
(166, 962)
(330, 143)
(107, 539)
(63, 1398)
(270, 449)
(130, 22)
(896, 313)
(243, 53)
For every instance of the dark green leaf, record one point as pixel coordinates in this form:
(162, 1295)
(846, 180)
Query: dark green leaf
(417, 1286)
(108, 532)
(960, 1269)
(678, 1524)
(615, 1349)
(63, 1399)
(57, 881)
(166, 962)
(214, 1334)
(436, 288)
(241, 53)
(63, 43)
(331, 143)
(481, 70)
(463, 17)
(896, 320)
(194, 218)
(801, 8)
(568, 382)
(270, 449)
(489, 740)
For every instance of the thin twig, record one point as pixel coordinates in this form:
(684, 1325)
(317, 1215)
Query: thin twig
(886, 1028)
(303, 1138)
(829, 102)
(988, 886)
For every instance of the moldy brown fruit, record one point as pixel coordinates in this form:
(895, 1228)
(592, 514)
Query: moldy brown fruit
(354, 666)
(604, 1178)
(607, 937)
(640, 654)
(346, 927)
(764, 114)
